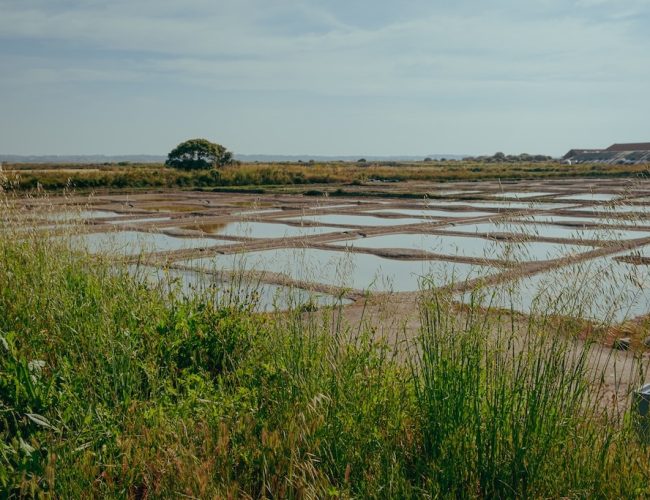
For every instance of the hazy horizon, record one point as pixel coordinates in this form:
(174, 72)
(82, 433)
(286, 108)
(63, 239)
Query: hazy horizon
(241, 156)
(300, 78)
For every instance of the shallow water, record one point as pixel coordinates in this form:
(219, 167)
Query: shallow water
(344, 269)
(510, 205)
(355, 220)
(268, 230)
(591, 196)
(81, 214)
(551, 231)
(455, 192)
(321, 207)
(640, 252)
(584, 220)
(429, 213)
(263, 296)
(257, 212)
(137, 221)
(602, 289)
(641, 211)
(137, 242)
(469, 247)
(521, 194)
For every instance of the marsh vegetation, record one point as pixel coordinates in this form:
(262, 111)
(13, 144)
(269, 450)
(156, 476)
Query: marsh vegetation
(115, 385)
(264, 176)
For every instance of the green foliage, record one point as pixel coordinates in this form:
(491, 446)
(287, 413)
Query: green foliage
(25, 394)
(110, 387)
(506, 421)
(89, 177)
(198, 154)
(205, 340)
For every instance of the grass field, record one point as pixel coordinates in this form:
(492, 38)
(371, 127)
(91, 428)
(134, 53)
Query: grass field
(112, 387)
(265, 176)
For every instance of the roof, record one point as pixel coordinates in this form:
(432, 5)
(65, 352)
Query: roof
(580, 151)
(633, 146)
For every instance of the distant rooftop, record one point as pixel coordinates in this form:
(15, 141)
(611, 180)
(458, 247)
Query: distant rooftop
(622, 154)
(633, 146)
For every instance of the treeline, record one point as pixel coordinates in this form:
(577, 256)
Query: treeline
(503, 158)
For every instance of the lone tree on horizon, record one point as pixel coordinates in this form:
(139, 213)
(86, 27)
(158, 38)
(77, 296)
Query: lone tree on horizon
(196, 154)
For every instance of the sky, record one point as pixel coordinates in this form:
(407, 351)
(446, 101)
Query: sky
(336, 77)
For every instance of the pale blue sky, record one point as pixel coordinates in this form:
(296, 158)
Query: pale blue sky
(358, 77)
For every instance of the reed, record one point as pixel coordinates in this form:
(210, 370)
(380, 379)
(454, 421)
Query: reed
(113, 386)
(55, 177)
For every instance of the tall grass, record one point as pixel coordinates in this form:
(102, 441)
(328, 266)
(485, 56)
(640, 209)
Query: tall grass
(518, 408)
(113, 387)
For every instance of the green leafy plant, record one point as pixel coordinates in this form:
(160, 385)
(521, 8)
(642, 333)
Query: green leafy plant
(198, 154)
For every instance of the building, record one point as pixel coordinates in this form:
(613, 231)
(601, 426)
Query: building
(618, 154)
(626, 148)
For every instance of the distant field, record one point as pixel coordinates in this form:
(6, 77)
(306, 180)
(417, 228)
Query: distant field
(138, 176)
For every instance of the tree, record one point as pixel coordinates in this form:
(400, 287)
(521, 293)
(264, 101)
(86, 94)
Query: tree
(196, 154)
